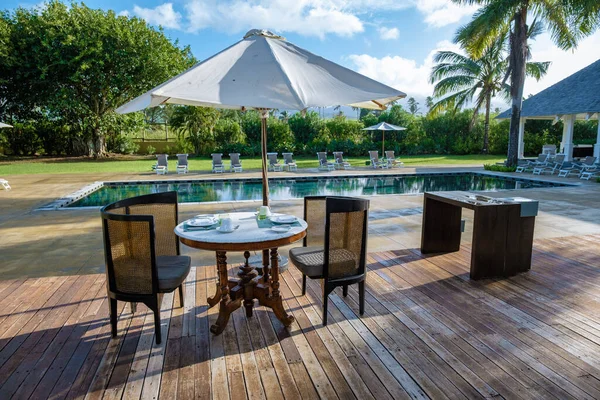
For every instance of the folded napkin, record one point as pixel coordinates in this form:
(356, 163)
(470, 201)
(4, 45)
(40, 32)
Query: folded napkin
(188, 228)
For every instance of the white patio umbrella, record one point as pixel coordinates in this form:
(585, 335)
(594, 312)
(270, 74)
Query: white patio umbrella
(3, 125)
(263, 71)
(384, 126)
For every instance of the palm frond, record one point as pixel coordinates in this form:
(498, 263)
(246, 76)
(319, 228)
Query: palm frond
(441, 71)
(487, 25)
(453, 84)
(558, 23)
(537, 70)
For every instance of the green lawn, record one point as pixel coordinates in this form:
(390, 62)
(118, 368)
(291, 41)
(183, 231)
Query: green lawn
(143, 164)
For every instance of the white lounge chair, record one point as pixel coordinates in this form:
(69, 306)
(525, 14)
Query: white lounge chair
(217, 162)
(323, 163)
(549, 149)
(162, 164)
(273, 163)
(338, 156)
(235, 165)
(289, 162)
(375, 162)
(4, 184)
(391, 159)
(551, 167)
(182, 164)
(580, 168)
(541, 161)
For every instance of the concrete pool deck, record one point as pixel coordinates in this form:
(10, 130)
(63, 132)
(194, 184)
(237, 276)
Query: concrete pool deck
(68, 242)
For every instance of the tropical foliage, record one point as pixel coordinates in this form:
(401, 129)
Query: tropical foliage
(461, 78)
(71, 66)
(566, 20)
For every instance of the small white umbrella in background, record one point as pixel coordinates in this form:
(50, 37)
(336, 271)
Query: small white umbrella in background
(263, 71)
(3, 125)
(384, 126)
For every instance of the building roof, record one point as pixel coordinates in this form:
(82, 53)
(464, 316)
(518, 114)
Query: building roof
(576, 94)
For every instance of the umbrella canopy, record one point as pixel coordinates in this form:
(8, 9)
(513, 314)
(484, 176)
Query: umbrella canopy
(384, 126)
(2, 125)
(264, 71)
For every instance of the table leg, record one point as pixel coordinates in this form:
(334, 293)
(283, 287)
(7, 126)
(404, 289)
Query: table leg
(213, 301)
(265, 271)
(226, 306)
(441, 227)
(275, 301)
(247, 274)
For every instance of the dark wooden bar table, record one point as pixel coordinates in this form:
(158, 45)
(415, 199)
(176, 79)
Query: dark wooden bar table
(502, 231)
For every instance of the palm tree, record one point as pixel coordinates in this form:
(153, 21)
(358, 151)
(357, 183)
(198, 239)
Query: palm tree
(413, 106)
(567, 20)
(461, 78)
(284, 116)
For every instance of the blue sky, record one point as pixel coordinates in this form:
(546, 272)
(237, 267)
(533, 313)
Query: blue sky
(392, 41)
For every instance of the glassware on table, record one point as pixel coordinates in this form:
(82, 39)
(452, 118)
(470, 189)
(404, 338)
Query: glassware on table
(263, 212)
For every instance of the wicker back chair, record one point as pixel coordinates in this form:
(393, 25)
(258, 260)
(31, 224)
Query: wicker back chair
(142, 253)
(335, 245)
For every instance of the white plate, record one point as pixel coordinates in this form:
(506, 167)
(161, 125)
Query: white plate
(202, 222)
(281, 229)
(220, 229)
(284, 219)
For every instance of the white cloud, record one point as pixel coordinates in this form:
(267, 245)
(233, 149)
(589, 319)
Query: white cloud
(440, 13)
(564, 63)
(388, 33)
(163, 15)
(407, 75)
(123, 13)
(306, 17)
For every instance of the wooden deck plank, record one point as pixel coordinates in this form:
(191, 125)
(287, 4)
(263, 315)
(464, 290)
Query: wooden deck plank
(428, 332)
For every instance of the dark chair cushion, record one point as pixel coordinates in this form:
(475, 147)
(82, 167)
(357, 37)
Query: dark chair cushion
(310, 260)
(172, 271)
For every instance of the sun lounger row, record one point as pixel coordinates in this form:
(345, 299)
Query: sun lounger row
(546, 163)
(389, 161)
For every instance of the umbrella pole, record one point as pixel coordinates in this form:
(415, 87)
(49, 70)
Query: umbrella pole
(263, 139)
(382, 144)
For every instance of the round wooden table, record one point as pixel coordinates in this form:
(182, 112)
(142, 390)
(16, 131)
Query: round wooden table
(251, 235)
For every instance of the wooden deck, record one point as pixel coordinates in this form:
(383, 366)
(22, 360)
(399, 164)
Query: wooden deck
(428, 331)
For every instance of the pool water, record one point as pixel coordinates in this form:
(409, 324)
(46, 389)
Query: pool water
(286, 189)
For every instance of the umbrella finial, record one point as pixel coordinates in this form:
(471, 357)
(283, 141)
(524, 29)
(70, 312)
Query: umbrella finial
(262, 32)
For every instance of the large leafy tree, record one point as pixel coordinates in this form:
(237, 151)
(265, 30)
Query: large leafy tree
(566, 20)
(196, 126)
(78, 64)
(459, 79)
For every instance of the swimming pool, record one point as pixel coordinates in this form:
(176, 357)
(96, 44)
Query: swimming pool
(200, 191)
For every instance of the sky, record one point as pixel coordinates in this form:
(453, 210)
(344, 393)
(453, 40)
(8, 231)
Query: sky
(392, 41)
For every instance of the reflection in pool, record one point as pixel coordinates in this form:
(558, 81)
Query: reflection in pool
(285, 189)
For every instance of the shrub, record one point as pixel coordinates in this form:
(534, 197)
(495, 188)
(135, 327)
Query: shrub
(499, 168)
(150, 150)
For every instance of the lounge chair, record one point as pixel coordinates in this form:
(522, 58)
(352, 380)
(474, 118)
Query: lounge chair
(4, 184)
(338, 156)
(375, 162)
(289, 162)
(235, 165)
(334, 247)
(217, 162)
(549, 149)
(162, 164)
(541, 161)
(323, 163)
(587, 175)
(580, 168)
(274, 164)
(142, 254)
(555, 165)
(182, 163)
(391, 159)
